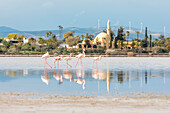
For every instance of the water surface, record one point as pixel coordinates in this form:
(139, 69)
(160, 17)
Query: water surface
(111, 76)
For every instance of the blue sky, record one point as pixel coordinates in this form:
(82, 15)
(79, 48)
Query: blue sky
(48, 14)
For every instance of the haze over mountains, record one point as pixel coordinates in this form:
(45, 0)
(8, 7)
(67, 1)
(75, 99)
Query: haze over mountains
(4, 31)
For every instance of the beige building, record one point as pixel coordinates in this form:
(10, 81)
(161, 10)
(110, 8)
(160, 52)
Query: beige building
(102, 39)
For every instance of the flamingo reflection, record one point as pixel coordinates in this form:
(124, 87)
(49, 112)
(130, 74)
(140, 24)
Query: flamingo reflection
(96, 59)
(68, 75)
(80, 78)
(45, 78)
(58, 76)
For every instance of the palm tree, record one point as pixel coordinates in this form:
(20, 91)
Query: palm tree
(82, 36)
(127, 34)
(60, 31)
(42, 42)
(50, 33)
(47, 34)
(137, 32)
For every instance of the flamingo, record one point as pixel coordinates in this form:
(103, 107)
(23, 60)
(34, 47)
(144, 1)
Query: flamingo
(68, 58)
(80, 56)
(57, 59)
(46, 55)
(95, 59)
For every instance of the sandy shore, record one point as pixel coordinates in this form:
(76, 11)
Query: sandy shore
(38, 103)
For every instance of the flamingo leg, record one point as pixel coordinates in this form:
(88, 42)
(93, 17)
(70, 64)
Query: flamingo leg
(47, 63)
(96, 64)
(77, 63)
(55, 64)
(58, 64)
(93, 65)
(81, 63)
(69, 64)
(44, 67)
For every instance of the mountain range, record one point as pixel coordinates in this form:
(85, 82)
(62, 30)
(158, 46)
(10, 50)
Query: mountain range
(4, 31)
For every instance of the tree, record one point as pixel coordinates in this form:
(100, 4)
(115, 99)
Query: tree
(161, 37)
(50, 33)
(6, 44)
(120, 36)
(12, 36)
(42, 42)
(26, 46)
(32, 41)
(150, 42)
(137, 32)
(127, 35)
(146, 34)
(82, 37)
(47, 34)
(60, 31)
(68, 34)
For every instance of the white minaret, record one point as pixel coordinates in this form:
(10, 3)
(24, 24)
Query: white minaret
(108, 27)
(164, 32)
(98, 23)
(108, 33)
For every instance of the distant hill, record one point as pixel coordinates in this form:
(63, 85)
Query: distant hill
(4, 31)
(7, 29)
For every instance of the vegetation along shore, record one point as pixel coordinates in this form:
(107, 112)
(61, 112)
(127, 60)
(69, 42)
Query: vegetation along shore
(106, 43)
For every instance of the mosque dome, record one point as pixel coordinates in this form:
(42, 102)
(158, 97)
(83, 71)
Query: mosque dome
(101, 37)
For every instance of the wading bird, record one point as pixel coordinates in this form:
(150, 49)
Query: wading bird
(80, 56)
(95, 59)
(57, 59)
(45, 56)
(68, 58)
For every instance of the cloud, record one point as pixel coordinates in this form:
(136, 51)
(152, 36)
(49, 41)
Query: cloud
(47, 4)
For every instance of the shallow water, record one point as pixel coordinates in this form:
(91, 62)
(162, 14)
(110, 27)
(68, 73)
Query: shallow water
(112, 76)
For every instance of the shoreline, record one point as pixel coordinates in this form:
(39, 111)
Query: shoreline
(41, 103)
(38, 55)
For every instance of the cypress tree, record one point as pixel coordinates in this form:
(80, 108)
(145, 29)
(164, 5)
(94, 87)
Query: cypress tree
(146, 34)
(150, 41)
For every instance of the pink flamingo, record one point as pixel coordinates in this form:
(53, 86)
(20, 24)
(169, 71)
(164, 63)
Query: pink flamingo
(68, 58)
(46, 55)
(95, 59)
(57, 59)
(80, 56)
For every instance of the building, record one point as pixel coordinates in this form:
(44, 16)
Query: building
(102, 39)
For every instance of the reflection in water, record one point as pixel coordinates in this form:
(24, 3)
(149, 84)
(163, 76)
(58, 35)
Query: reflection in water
(13, 73)
(68, 74)
(110, 79)
(146, 77)
(58, 76)
(80, 78)
(45, 78)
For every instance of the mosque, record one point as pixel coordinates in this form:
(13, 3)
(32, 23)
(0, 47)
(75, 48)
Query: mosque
(102, 39)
